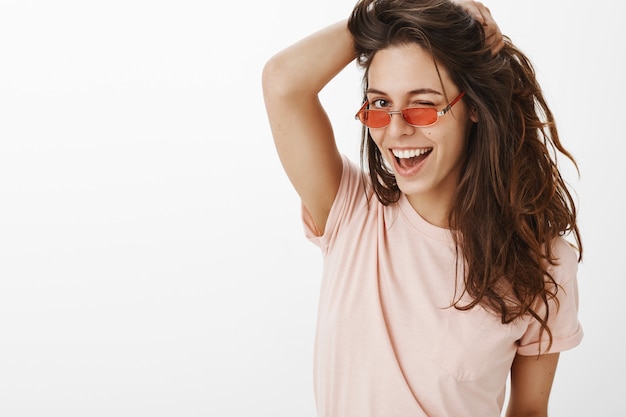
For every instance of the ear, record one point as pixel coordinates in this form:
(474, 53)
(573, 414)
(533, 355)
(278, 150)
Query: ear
(473, 114)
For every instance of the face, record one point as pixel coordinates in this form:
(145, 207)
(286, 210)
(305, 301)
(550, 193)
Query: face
(426, 161)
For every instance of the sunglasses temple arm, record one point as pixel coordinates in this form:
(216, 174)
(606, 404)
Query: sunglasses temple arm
(449, 106)
(356, 116)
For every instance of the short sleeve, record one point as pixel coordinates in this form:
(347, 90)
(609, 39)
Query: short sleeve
(350, 195)
(563, 320)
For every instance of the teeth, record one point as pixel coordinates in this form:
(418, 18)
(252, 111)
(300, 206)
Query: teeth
(409, 153)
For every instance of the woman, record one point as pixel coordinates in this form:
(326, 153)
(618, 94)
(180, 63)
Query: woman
(445, 264)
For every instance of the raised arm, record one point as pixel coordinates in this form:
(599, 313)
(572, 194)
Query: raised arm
(304, 139)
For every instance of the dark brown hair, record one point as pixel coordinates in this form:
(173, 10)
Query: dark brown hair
(511, 201)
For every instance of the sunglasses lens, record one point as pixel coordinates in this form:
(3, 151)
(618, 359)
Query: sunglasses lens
(414, 116)
(420, 117)
(374, 119)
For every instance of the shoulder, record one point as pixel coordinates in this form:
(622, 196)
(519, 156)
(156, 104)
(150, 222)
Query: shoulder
(565, 260)
(352, 199)
(355, 186)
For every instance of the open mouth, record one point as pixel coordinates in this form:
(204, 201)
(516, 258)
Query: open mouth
(409, 158)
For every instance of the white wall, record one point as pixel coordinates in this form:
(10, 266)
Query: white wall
(152, 261)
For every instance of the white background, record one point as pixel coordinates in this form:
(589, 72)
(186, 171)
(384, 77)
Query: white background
(152, 261)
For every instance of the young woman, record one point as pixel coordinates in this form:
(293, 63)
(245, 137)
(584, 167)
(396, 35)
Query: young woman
(446, 267)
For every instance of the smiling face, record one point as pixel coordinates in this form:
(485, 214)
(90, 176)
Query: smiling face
(426, 161)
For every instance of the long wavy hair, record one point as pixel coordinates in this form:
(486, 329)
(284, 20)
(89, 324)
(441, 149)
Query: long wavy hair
(511, 201)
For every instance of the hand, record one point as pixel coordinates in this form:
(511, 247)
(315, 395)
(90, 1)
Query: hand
(480, 12)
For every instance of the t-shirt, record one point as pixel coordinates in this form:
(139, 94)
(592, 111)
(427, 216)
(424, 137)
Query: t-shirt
(388, 342)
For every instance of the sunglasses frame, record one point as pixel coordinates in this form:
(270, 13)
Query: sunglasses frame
(439, 113)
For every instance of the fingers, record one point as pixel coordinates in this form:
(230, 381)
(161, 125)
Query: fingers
(472, 8)
(493, 36)
(495, 40)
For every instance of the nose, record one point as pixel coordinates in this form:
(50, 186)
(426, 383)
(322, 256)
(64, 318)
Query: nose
(398, 126)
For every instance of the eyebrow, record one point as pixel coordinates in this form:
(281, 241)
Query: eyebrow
(410, 93)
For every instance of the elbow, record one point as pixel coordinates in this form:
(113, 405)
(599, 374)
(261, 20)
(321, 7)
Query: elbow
(282, 79)
(269, 77)
(275, 79)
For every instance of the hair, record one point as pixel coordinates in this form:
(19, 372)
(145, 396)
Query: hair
(511, 201)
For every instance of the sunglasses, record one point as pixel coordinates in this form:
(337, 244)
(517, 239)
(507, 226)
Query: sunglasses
(415, 116)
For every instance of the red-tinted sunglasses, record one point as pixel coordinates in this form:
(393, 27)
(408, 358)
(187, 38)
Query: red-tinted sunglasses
(415, 116)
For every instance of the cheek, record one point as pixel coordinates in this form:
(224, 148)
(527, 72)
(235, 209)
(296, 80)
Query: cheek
(377, 139)
(457, 147)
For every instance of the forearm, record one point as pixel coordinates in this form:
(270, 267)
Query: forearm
(305, 67)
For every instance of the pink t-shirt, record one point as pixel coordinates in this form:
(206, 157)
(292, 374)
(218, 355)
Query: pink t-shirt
(387, 343)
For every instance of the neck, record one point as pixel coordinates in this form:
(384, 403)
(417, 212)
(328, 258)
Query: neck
(435, 211)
